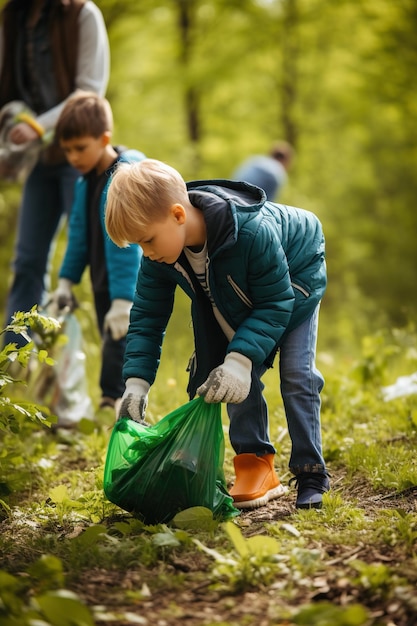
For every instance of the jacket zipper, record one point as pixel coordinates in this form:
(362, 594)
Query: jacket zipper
(183, 273)
(207, 271)
(241, 294)
(303, 291)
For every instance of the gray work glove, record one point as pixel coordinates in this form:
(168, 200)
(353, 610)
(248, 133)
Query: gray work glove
(229, 382)
(135, 400)
(117, 318)
(62, 297)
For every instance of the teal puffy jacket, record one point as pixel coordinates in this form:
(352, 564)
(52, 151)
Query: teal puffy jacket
(122, 264)
(266, 271)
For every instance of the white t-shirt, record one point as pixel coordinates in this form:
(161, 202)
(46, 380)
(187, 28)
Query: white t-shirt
(198, 262)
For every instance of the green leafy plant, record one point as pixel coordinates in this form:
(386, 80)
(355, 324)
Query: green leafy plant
(376, 577)
(51, 605)
(377, 352)
(14, 358)
(327, 614)
(256, 561)
(19, 416)
(399, 527)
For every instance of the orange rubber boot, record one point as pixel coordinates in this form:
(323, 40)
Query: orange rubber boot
(256, 481)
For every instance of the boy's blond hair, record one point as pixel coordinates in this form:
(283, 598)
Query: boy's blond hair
(140, 194)
(85, 114)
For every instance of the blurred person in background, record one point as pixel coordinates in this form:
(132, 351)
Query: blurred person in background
(267, 171)
(48, 50)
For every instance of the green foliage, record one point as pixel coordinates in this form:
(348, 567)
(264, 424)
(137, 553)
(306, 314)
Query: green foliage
(89, 506)
(327, 614)
(352, 122)
(63, 608)
(376, 353)
(376, 577)
(391, 466)
(353, 557)
(256, 561)
(354, 130)
(397, 526)
(196, 518)
(20, 417)
(47, 329)
(53, 607)
(48, 573)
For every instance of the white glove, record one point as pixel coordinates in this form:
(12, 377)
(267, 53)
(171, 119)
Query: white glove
(135, 400)
(229, 382)
(116, 320)
(62, 297)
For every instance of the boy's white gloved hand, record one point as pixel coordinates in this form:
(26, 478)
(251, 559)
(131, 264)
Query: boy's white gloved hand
(117, 318)
(62, 297)
(229, 382)
(135, 400)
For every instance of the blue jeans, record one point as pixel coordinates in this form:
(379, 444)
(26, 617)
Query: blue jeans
(47, 196)
(301, 384)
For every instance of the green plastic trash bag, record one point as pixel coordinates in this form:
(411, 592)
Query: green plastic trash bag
(156, 471)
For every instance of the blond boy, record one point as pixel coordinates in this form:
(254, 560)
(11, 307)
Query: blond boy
(255, 273)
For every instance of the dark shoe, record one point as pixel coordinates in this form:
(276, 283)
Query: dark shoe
(311, 486)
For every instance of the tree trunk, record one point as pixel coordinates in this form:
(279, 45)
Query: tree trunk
(290, 53)
(186, 22)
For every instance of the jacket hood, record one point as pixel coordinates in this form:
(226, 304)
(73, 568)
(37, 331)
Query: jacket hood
(218, 200)
(242, 194)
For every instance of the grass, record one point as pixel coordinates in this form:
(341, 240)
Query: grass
(352, 563)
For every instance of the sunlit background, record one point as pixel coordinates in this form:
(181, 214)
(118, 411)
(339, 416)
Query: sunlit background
(203, 84)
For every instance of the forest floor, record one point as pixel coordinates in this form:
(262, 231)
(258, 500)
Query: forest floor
(356, 563)
(352, 563)
(194, 602)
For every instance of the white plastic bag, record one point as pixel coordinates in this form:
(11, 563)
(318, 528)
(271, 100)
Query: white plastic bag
(63, 386)
(403, 386)
(70, 400)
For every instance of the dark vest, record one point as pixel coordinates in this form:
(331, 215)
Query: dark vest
(63, 36)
